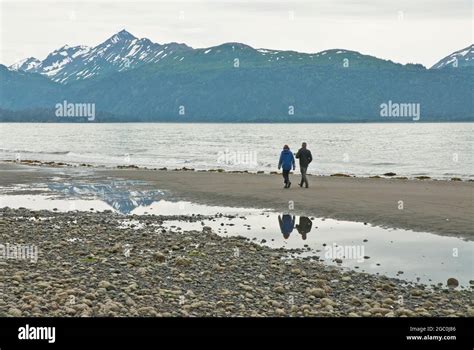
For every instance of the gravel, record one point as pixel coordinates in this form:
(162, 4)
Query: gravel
(89, 264)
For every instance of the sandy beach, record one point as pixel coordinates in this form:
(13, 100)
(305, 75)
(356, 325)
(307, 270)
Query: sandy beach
(90, 264)
(442, 207)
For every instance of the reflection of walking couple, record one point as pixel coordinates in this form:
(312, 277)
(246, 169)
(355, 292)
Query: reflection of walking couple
(287, 223)
(287, 162)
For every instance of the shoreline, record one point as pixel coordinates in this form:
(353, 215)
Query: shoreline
(90, 267)
(387, 175)
(441, 207)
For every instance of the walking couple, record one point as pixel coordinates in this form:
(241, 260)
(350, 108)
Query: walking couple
(287, 162)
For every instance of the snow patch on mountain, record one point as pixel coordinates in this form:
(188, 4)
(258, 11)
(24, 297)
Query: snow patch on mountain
(26, 65)
(460, 58)
(122, 51)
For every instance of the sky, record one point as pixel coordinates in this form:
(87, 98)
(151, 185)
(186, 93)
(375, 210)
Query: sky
(404, 31)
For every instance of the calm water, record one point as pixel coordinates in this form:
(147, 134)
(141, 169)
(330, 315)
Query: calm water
(413, 256)
(437, 150)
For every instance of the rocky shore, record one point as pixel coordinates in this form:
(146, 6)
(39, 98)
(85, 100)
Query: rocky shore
(90, 264)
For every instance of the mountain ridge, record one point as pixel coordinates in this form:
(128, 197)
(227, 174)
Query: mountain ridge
(124, 51)
(458, 59)
(131, 79)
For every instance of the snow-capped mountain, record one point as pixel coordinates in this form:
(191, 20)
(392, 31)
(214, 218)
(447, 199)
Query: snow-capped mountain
(131, 79)
(123, 51)
(59, 59)
(26, 65)
(120, 52)
(461, 58)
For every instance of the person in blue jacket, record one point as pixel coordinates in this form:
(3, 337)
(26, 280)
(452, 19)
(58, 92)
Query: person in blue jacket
(287, 161)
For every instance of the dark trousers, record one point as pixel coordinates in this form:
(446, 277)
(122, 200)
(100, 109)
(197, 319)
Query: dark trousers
(304, 179)
(286, 175)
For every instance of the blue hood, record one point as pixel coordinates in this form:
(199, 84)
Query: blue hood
(287, 160)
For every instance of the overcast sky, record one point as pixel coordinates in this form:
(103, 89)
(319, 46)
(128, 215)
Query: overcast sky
(417, 31)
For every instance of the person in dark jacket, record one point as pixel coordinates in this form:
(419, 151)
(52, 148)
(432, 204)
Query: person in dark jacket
(304, 226)
(305, 157)
(287, 161)
(287, 223)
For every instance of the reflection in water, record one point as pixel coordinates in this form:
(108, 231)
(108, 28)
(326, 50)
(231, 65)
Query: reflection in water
(304, 226)
(410, 255)
(287, 224)
(117, 194)
(413, 256)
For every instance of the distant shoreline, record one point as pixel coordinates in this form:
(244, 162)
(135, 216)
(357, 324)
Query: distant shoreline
(388, 175)
(241, 122)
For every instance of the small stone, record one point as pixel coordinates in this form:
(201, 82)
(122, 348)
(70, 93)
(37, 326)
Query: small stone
(379, 310)
(17, 277)
(141, 270)
(158, 256)
(317, 292)
(182, 261)
(280, 312)
(378, 294)
(43, 285)
(14, 312)
(279, 290)
(416, 292)
(327, 301)
(355, 301)
(129, 301)
(105, 284)
(452, 282)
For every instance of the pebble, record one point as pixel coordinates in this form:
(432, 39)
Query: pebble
(317, 292)
(191, 273)
(452, 282)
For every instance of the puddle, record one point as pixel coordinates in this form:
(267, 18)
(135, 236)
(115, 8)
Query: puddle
(412, 256)
(120, 196)
(44, 202)
(164, 207)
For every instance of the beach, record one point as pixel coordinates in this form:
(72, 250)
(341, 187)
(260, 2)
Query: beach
(89, 263)
(442, 207)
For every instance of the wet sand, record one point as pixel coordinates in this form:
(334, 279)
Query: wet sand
(442, 207)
